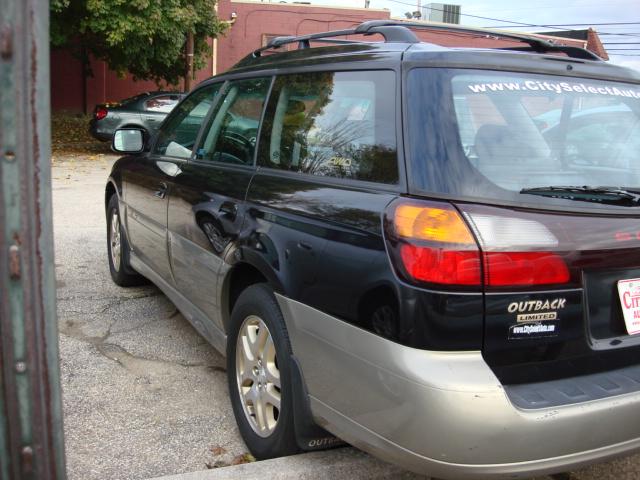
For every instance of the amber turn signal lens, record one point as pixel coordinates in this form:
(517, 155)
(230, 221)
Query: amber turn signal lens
(430, 223)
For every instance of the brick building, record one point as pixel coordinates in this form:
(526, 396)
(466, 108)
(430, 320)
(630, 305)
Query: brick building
(252, 24)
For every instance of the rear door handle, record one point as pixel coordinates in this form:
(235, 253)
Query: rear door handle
(162, 191)
(304, 245)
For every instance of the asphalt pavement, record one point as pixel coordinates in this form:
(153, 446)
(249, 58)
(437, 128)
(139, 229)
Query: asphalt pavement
(144, 395)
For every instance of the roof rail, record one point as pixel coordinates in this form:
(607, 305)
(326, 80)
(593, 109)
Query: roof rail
(399, 31)
(402, 35)
(536, 43)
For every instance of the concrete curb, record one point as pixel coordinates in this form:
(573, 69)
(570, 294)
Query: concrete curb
(341, 463)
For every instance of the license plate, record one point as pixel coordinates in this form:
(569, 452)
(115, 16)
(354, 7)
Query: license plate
(629, 293)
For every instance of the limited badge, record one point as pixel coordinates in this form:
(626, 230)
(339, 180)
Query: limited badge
(537, 310)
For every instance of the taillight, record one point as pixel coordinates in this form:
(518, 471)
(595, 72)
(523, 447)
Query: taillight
(440, 223)
(517, 251)
(101, 112)
(524, 268)
(440, 265)
(430, 242)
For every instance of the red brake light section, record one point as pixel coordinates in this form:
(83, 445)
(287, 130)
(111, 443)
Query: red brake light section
(438, 265)
(101, 112)
(524, 268)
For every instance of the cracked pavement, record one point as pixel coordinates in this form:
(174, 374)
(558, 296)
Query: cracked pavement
(143, 394)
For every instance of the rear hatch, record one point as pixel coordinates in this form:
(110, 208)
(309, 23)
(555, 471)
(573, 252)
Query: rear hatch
(545, 172)
(556, 289)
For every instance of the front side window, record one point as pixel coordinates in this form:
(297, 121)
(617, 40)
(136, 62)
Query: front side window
(230, 136)
(178, 133)
(333, 124)
(500, 134)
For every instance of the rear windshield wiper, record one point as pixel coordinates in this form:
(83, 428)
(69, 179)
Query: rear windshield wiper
(609, 195)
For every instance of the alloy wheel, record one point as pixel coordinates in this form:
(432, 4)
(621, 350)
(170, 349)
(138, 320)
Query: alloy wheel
(114, 240)
(258, 376)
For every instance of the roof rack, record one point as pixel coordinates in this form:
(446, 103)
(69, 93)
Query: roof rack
(399, 31)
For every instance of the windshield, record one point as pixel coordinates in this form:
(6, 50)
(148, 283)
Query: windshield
(510, 132)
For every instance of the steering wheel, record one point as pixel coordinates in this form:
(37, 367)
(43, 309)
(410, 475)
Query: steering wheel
(238, 143)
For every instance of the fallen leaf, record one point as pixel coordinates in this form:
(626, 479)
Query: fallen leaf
(218, 450)
(70, 134)
(244, 458)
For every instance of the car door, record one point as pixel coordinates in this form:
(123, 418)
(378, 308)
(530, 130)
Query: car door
(328, 168)
(148, 181)
(206, 207)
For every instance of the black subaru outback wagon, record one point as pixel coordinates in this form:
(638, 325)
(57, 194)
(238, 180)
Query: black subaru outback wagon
(430, 253)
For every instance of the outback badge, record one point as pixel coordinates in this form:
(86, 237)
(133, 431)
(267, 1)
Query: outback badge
(537, 310)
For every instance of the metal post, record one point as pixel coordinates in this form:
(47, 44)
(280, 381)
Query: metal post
(189, 64)
(31, 439)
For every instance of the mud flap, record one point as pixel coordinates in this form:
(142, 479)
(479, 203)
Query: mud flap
(309, 435)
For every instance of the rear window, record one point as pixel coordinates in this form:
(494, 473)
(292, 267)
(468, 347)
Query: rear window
(492, 134)
(135, 98)
(162, 103)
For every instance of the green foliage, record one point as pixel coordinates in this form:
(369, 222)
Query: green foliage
(144, 37)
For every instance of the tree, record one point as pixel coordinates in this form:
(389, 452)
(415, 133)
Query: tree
(146, 38)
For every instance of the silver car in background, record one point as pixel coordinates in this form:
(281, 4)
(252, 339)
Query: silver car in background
(144, 111)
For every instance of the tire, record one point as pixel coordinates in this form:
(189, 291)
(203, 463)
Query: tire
(118, 249)
(269, 431)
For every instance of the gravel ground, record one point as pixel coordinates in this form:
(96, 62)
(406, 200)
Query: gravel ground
(144, 394)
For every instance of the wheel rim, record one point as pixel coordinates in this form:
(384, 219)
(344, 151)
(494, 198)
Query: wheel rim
(114, 241)
(258, 376)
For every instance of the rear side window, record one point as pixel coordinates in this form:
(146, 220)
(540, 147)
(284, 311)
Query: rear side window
(333, 124)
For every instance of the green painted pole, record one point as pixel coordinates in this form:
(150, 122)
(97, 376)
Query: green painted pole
(31, 437)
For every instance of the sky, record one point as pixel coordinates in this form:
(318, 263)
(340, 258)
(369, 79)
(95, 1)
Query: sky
(544, 12)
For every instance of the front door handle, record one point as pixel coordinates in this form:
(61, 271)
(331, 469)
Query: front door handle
(162, 191)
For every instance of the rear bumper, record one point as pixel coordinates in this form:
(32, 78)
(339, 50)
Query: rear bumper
(469, 438)
(445, 414)
(100, 133)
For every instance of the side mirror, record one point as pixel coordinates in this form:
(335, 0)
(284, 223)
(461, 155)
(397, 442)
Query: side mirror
(128, 140)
